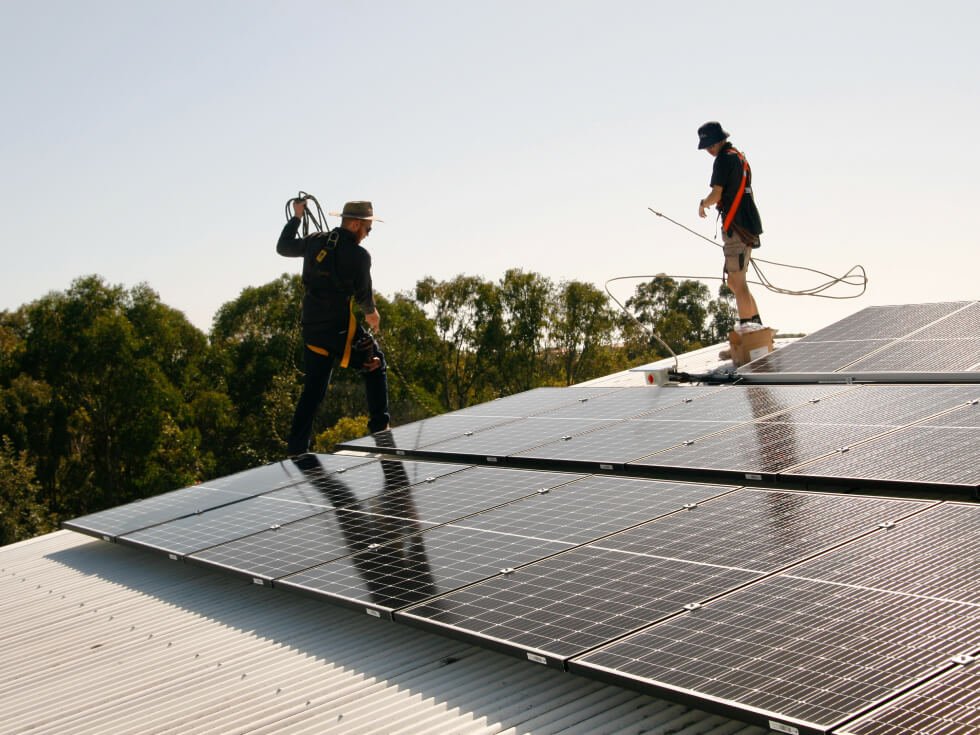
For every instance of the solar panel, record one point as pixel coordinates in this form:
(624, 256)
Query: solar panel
(745, 403)
(537, 400)
(919, 338)
(917, 455)
(302, 544)
(420, 434)
(933, 554)
(610, 447)
(591, 507)
(962, 324)
(111, 523)
(761, 530)
(793, 653)
(629, 402)
(355, 486)
(886, 322)
(574, 601)
(755, 451)
(432, 562)
(587, 596)
(948, 705)
(280, 474)
(817, 612)
(881, 405)
(497, 443)
(814, 357)
(927, 356)
(194, 533)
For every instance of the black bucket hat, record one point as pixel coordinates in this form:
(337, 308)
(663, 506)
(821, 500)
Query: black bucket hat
(709, 134)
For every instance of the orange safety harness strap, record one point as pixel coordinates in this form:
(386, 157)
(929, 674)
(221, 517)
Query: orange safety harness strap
(730, 214)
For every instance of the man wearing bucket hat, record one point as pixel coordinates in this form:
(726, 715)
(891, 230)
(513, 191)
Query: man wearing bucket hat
(336, 275)
(731, 192)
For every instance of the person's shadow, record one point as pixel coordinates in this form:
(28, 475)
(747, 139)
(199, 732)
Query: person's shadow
(382, 532)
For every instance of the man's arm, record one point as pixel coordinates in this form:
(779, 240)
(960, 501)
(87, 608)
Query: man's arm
(364, 292)
(709, 201)
(288, 244)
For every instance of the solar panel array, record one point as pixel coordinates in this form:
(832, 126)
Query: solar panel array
(924, 338)
(799, 436)
(688, 541)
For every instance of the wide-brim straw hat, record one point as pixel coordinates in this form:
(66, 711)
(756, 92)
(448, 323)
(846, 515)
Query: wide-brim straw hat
(357, 210)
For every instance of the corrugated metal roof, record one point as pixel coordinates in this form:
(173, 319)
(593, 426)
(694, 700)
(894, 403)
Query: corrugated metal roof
(100, 638)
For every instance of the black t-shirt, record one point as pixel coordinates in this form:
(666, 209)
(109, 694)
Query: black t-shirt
(727, 173)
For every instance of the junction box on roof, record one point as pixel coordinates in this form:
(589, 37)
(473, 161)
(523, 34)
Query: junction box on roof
(749, 346)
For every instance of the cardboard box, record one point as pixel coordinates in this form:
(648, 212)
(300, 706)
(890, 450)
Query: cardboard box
(749, 346)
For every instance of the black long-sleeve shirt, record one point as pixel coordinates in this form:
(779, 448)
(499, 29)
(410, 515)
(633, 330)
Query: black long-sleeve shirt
(335, 268)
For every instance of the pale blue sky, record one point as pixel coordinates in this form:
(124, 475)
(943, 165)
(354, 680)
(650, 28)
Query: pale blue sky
(158, 141)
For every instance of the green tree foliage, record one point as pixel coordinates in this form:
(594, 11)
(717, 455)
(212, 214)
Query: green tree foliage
(583, 328)
(100, 393)
(682, 313)
(22, 511)
(257, 361)
(525, 302)
(468, 319)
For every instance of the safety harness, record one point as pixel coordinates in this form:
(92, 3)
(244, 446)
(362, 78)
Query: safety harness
(326, 258)
(746, 173)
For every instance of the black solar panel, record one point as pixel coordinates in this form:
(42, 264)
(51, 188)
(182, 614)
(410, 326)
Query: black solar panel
(418, 567)
(574, 601)
(609, 447)
(794, 653)
(814, 357)
(881, 405)
(922, 338)
(886, 322)
(302, 544)
(923, 356)
(594, 506)
(758, 450)
(358, 485)
(933, 554)
(496, 444)
(584, 597)
(948, 705)
(280, 474)
(114, 522)
(414, 436)
(629, 402)
(538, 400)
(918, 455)
(793, 609)
(111, 523)
(761, 530)
(194, 533)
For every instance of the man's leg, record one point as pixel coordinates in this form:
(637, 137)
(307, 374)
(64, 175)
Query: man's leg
(318, 370)
(376, 388)
(737, 257)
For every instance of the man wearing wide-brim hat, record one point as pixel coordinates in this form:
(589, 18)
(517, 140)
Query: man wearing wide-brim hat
(336, 275)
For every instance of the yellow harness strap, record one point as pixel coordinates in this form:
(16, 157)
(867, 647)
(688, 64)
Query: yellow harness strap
(351, 326)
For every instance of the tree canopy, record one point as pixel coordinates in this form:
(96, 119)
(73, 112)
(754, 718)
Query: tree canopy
(108, 395)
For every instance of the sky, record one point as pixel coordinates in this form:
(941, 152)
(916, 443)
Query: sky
(158, 142)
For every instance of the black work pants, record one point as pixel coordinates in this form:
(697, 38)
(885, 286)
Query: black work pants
(319, 368)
